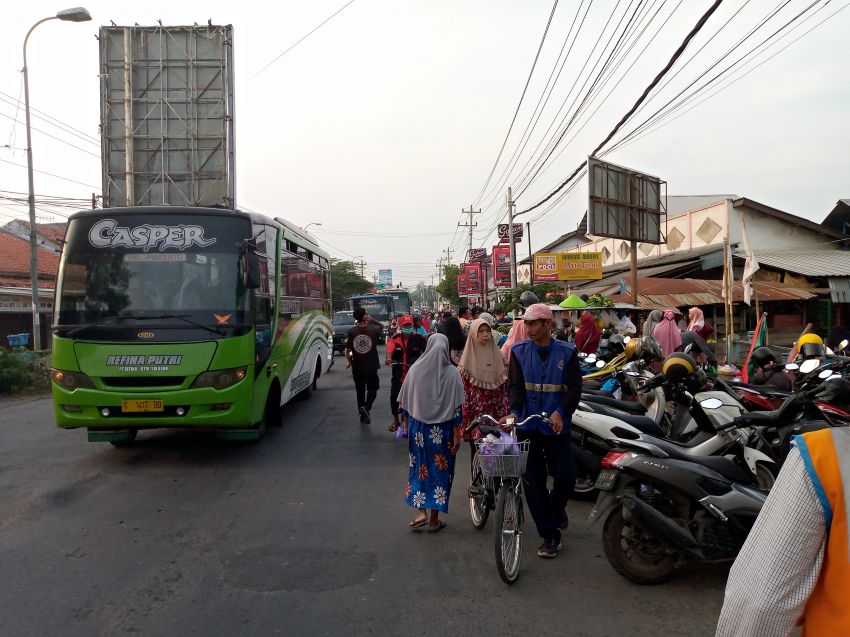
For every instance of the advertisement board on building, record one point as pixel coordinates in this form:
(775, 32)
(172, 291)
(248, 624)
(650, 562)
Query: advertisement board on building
(385, 278)
(462, 288)
(476, 254)
(503, 230)
(624, 203)
(473, 278)
(567, 266)
(166, 116)
(502, 266)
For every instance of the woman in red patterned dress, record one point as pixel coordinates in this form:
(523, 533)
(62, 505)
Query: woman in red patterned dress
(484, 375)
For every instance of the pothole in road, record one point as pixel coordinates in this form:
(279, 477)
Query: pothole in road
(308, 569)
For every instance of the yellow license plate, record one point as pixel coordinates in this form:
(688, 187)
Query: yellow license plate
(129, 406)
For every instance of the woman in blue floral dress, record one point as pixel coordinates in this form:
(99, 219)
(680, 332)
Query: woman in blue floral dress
(431, 397)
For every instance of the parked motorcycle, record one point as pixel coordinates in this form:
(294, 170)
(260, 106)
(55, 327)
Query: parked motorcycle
(660, 510)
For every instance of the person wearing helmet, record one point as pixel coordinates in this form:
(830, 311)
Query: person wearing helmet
(528, 298)
(810, 346)
(768, 372)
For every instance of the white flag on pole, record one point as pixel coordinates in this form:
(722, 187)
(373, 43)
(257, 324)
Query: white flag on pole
(750, 265)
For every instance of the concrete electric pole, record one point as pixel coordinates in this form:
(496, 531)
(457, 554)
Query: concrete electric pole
(511, 237)
(469, 225)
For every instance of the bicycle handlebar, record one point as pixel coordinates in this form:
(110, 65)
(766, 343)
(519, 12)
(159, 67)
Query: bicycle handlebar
(511, 425)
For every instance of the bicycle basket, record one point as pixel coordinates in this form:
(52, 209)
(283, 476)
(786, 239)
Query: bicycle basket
(503, 459)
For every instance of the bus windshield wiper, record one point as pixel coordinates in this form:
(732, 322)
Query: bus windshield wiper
(111, 319)
(185, 318)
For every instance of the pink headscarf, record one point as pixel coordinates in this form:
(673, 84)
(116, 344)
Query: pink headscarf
(667, 333)
(518, 333)
(697, 319)
(588, 335)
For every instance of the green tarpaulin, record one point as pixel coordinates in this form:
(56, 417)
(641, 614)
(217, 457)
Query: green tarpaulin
(573, 301)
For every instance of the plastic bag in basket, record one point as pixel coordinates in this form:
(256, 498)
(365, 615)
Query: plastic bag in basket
(491, 447)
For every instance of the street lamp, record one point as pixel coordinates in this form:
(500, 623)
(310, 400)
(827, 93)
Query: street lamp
(76, 14)
(312, 223)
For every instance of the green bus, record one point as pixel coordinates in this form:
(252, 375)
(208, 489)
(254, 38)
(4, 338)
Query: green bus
(184, 317)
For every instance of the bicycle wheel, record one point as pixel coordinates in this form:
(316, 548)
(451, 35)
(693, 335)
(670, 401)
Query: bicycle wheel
(508, 531)
(478, 509)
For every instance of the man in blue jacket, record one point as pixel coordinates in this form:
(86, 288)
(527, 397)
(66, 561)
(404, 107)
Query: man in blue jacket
(545, 376)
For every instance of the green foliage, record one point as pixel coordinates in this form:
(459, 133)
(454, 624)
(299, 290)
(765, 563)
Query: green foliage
(448, 286)
(599, 300)
(510, 298)
(21, 370)
(345, 282)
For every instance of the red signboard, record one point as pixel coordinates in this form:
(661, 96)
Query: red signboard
(462, 285)
(473, 278)
(502, 266)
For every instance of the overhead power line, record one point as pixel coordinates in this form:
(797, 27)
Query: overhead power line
(519, 104)
(38, 114)
(696, 29)
(58, 139)
(301, 39)
(44, 172)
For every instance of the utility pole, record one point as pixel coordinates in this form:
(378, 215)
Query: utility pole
(469, 225)
(511, 237)
(528, 237)
(448, 253)
(362, 266)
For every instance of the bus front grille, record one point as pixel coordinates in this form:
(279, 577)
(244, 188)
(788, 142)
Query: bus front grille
(143, 381)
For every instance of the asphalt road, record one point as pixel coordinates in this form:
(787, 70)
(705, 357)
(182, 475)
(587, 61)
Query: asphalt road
(304, 533)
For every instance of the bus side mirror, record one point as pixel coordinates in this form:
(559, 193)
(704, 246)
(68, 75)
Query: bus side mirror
(251, 264)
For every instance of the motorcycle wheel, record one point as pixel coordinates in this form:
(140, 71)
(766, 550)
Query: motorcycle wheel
(633, 553)
(764, 476)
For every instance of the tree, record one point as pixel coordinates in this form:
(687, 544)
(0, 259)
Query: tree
(345, 282)
(510, 298)
(448, 286)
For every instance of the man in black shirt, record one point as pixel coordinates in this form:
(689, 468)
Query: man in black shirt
(361, 354)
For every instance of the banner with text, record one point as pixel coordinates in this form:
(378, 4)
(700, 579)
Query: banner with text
(502, 266)
(567, 266)
(473, 278)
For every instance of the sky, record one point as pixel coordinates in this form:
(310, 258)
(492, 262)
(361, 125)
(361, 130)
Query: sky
(384, 123)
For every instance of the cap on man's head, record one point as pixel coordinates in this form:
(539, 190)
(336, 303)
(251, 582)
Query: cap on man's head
(536, 312)
(405, 319)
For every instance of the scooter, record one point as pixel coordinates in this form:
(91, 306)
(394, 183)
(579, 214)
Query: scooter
(660, 510)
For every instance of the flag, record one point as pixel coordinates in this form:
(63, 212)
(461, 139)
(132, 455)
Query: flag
(792, 354)
(750, 265)
(759, 340)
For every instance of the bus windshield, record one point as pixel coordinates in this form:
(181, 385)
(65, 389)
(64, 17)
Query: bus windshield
(156, 265)
(379, 308)
(401, 300)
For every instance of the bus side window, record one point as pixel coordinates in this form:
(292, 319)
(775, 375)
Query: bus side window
(262, 328)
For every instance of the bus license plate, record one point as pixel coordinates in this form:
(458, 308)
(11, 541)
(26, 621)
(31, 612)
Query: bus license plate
(138, 406)
(606, 479)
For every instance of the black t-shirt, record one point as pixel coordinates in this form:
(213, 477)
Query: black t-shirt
(363, 344)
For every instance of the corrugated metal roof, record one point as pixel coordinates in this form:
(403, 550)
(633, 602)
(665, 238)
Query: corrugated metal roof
(687, 292)
(817, 263)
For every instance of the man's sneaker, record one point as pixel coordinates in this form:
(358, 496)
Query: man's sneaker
(549, 548)
(364, 416)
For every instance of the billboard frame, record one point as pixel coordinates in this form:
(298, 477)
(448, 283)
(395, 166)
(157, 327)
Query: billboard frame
(624, 203)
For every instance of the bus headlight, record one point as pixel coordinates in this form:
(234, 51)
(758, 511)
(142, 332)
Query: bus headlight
(220, 378)
(71, 380)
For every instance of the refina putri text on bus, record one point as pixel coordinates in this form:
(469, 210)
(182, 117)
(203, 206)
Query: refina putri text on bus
(186, 317)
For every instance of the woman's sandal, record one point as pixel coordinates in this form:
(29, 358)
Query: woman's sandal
(418, 524)
(438, 528)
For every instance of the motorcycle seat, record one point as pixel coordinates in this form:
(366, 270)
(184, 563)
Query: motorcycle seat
(630, 406)
(720, 464)
(596, 392)
(643, 424)
(767, 390)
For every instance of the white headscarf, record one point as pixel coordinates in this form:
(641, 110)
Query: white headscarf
(432, 390)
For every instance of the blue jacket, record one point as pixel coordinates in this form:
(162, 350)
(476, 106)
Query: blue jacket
(545, 382)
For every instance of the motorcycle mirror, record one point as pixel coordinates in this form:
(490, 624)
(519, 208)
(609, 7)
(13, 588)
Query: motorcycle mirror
(590, 358)
(834, 376)
(791, 367)
(810, 365)
(627, 339)
(711, 403)
(600, 364)
(825, 374)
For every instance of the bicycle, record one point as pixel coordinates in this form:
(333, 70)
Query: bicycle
(496, 481)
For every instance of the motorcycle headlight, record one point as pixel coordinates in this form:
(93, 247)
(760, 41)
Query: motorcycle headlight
(71, 380)
(220, 378)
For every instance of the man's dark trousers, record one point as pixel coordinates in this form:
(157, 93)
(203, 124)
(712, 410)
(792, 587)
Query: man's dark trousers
(548, 455)
(366, 386)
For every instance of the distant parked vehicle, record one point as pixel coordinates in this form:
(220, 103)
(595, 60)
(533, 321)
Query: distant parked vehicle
(342, 322)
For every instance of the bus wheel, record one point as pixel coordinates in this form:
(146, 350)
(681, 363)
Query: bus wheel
(308, 391)
(272, 415)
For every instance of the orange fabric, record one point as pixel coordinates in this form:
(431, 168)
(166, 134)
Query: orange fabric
(827, 611)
